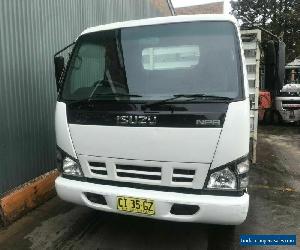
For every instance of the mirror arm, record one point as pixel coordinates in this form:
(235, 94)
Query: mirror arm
(56, 56)
(62, 50)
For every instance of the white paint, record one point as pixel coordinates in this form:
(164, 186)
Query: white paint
(245, 73)
(213, 209)
(163, 20)
(234, 140)
(156, 144)
(63, 138)
(252, 60)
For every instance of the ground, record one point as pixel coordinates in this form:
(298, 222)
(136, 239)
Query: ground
(274, 209)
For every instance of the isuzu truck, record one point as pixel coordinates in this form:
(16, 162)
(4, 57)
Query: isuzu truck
(153, 120)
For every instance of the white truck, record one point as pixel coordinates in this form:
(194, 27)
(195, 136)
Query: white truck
(153, 120)
(288, 101)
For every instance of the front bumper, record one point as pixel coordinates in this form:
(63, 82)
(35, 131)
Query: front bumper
(290, 116)
(226, 210)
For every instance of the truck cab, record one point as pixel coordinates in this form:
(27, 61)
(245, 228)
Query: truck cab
(152, 120)
(288, 101)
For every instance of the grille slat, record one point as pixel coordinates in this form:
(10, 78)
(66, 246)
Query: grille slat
(100, 172)
(291, 104)
(182, 179)
(97, 164)
(150, 173)
(138, 172)
(183, 175)
(98, 168)
(184, 171)
(139, 176)
(139, 168)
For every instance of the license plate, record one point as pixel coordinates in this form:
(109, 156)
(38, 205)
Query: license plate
(136, 205)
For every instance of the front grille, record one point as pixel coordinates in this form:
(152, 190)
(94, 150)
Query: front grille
(183, 175)
(98, 168)
(292, 104)
(146, 173)
(139, 172)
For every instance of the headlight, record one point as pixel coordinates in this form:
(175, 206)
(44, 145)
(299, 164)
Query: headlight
(243, 167)
(70, 167)
(66, 165)
(233, 176)
(223, 179)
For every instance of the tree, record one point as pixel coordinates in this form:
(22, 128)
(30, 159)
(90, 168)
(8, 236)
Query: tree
(281, 17)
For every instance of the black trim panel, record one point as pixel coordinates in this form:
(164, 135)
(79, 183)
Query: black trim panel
(182, 179)
(97, 164)
(101, 172)
(139, 176)
(182, 190)
(138, 168)
(180, 115)
(184, 171)
(65, 154)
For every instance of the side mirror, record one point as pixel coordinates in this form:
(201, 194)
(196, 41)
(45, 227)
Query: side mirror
(59, 63)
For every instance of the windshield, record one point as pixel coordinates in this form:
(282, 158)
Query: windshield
(292, 75)
(155, 62)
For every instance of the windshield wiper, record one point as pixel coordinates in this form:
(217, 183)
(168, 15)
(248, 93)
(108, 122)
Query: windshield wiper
(190, 97)
(89, 99)
(118, 95)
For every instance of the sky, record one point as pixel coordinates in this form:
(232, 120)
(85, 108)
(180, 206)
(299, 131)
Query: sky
(184, 3)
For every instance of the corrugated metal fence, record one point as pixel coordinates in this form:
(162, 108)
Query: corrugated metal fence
(31, 31)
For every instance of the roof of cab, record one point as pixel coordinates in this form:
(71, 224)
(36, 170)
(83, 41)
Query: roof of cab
(162, 20)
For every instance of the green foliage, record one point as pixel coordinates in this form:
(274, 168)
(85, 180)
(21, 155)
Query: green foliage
(281, 17)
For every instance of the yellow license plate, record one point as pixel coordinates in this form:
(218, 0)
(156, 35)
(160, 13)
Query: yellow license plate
(136, 205)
